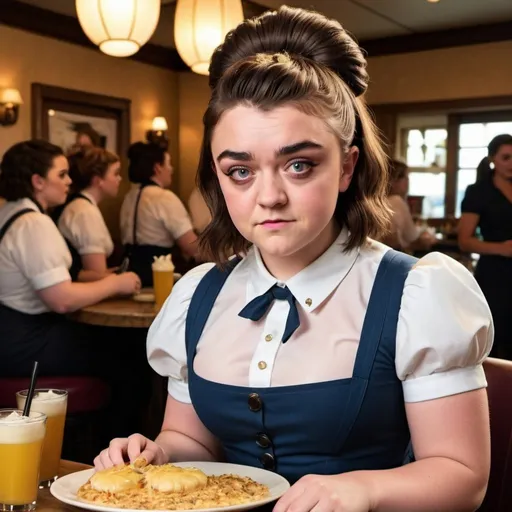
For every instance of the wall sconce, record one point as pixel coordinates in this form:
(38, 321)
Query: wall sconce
(10, 101)
(158, 133)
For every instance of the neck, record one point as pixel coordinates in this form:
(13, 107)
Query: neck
(501, 181)
(95, 193)
(40, 201)
(285, 267)
(157, 180)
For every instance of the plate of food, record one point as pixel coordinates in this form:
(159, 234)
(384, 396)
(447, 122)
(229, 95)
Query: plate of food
(199, 486)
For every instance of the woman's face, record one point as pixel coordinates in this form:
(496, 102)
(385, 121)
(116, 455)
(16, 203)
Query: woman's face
(53, 189)
(502, 161)
(109, 184)
(163, 171)
(280, 172)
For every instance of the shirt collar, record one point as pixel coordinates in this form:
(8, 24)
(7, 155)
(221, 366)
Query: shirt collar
(312, 285)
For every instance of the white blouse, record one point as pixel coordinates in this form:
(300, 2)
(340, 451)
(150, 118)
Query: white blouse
(83, 225)
(444, 330)
(162, 218)
(33, 256)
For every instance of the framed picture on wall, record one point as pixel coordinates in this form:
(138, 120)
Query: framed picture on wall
(63, 116)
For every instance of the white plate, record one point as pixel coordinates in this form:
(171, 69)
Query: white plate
(65, 488)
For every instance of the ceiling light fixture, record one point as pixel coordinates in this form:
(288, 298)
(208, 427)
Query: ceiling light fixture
(118, 27)
(200, 26)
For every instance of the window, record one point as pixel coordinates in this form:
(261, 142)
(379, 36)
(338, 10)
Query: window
(424, 152)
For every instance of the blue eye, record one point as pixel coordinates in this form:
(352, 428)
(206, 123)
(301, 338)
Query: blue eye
(239, 174)
(301, 167)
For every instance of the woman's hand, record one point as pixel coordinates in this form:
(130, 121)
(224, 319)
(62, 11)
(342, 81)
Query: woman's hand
(319, 493)
(123, 450)
(127, 283)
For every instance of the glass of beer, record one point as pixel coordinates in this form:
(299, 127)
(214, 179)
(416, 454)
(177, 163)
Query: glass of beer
(53, 403)
(21, 443)
(163, 279)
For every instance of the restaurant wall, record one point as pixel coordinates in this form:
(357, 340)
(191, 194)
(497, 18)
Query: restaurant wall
(26, 58)
(451, 73)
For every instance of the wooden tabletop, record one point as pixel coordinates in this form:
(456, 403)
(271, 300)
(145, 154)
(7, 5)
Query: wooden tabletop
(117, 313)
(47, 503)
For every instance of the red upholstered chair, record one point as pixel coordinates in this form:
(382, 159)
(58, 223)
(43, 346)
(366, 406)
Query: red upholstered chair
(499, 491)
(87, 398)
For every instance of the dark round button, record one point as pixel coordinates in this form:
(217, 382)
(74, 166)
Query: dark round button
(263, 441)
(255, 402)
(268, 461)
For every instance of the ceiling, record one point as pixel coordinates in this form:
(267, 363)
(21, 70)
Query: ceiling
(366, 19)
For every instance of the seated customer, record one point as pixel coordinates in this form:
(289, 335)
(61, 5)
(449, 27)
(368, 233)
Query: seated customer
(96, 176)
(35, 286)
(404, 235)
(154, 221)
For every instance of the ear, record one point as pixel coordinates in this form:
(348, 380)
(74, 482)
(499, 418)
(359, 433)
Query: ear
(348, 167)
(157, 169)
(96, 180)
(38, 182)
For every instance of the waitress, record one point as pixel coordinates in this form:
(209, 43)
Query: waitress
(36, 290)
(488, 206)
(317, 352)
(154, 221)
(96, 176)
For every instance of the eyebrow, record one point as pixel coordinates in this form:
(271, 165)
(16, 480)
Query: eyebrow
(245, 156)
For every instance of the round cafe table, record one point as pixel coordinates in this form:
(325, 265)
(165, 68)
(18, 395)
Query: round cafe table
(124, 312)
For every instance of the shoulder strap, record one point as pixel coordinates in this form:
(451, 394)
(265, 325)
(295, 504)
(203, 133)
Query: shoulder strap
(11, 221)
(136, 210)
(202, 303)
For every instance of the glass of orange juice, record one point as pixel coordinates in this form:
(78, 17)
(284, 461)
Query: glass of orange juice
(21, 443)
(53, 403)
(163, 279)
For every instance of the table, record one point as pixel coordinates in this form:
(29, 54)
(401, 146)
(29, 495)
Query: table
(117, 313)
(47, 503)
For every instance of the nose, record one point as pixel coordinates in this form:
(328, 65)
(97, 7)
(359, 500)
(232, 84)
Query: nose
(271, 191)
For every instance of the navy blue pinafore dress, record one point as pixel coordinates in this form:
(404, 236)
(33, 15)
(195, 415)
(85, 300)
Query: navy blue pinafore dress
(350, 424)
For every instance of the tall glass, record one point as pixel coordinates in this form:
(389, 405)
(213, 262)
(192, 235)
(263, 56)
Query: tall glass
(21, 443)
(53, 403)
(163, 281)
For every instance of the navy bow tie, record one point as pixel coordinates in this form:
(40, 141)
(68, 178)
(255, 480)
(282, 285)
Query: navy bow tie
(259, 306)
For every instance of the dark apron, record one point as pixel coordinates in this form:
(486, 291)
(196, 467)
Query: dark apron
(328, 428)
(76, 264)
(140, 256)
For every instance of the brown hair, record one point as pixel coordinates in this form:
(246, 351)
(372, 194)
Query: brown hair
(85, 165)
(300, 58)
(20, 162)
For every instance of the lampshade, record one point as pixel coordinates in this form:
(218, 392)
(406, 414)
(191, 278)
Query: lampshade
(200, 26)
(118, 27)
(159, 124)
(11, 96)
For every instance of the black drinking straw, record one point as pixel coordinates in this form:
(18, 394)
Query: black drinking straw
(30, 395)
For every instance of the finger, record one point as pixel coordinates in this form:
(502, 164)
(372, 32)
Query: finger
(105, 460)
(136, 444)
(289, 496)
(304, 502)
(149, 455)
(116, 451)
(98, 465)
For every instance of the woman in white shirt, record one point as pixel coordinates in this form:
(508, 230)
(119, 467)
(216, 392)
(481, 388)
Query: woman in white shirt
(96, 176)
(154, 221)
(317, 353)
(35, 286)
(404, 233)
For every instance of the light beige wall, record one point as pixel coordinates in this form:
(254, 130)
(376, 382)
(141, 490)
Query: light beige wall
(26, 58)
(465, 72)
(194, 96)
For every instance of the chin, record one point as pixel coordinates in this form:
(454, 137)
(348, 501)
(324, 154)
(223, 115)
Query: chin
(279, 246)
